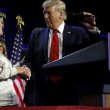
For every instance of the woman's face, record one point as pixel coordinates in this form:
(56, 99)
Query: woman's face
(1, 48)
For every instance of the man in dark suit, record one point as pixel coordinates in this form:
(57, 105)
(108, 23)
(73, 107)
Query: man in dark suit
(41, 90)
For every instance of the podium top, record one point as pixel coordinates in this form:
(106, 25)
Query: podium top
(93, 53)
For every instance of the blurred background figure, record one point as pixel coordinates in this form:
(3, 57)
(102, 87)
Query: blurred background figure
(88, 20)
(85, 19)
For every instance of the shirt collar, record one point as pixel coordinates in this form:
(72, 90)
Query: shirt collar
(60, 28)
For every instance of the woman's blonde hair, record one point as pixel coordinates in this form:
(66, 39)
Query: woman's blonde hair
(4, 47)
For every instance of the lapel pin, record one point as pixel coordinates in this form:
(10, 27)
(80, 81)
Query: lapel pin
(69, 32)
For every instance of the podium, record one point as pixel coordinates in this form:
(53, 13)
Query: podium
(95, 52)
(87, 71)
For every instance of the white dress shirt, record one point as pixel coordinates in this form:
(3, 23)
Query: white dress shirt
(60, 37)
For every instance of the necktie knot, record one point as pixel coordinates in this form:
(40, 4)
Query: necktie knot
(55, 31)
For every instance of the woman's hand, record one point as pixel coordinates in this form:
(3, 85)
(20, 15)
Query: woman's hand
(24, 71)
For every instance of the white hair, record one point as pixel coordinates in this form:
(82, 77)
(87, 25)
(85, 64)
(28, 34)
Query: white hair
(60, 6)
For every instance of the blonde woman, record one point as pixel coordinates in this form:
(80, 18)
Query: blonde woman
(8, 95)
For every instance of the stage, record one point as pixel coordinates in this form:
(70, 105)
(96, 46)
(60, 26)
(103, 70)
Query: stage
(55, 108)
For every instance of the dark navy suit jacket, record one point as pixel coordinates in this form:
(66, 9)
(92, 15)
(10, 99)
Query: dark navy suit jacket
(74, 38)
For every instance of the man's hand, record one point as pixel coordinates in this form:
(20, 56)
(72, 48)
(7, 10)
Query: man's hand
(24, 71)
(89, 22)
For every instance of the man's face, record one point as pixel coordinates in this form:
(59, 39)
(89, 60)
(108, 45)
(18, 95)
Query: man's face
(53, 17)
(1, 26)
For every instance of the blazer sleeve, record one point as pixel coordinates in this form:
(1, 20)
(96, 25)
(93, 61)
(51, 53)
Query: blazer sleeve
(6, 68)
(29, 60)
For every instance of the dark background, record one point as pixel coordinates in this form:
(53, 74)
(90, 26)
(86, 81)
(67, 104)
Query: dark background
(31, 12)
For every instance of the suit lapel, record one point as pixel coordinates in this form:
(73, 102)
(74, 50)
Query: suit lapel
(66, 38)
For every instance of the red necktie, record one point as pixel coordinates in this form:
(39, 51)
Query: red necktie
(54, 52)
